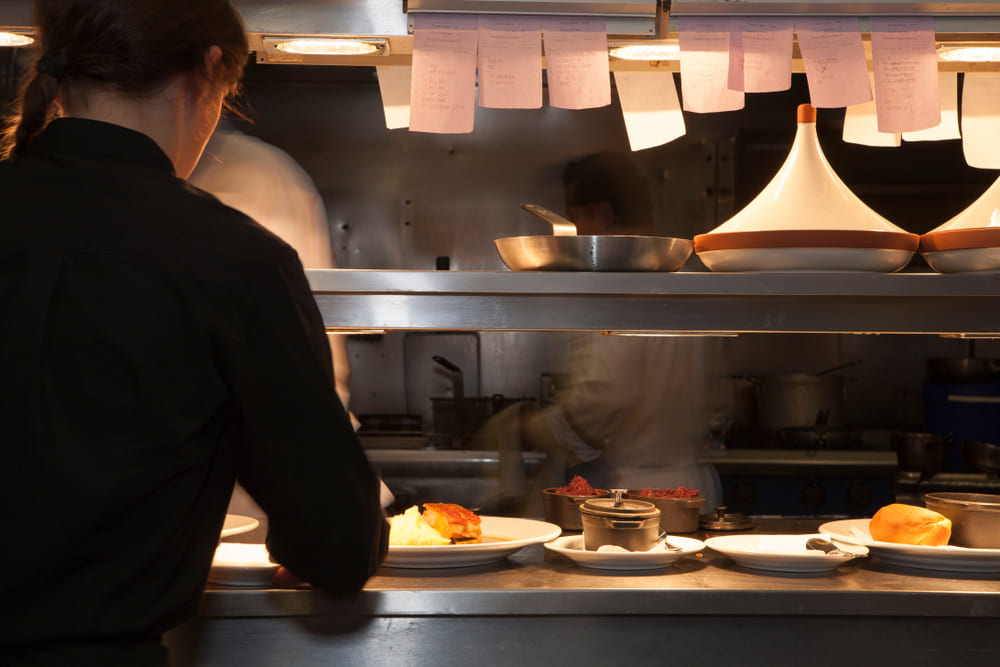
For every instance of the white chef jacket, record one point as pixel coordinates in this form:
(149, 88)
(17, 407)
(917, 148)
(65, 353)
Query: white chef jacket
(267, 184)
(642, 404)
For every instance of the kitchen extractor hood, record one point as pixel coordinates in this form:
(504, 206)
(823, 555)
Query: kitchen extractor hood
(623, 17)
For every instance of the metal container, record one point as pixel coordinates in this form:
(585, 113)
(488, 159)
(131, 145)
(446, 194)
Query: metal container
(800, 399)
(619, 521)
(677, 515)
(464, 416)
(983, 456)
(961, 370)
(594, 253)
(564, 510)
(925, 453)
(975, 517)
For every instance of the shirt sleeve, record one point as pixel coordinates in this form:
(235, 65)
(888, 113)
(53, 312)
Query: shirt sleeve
(300, 459)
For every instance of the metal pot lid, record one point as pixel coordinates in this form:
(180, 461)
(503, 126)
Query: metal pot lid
(620, 507)
(723, 520)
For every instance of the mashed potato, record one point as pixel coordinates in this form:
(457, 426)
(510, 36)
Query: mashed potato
(409, 528)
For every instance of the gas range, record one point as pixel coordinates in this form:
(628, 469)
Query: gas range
(805, 482)
(911, 486)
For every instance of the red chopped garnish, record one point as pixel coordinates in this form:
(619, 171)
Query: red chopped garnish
(578, 486)
(679, 492)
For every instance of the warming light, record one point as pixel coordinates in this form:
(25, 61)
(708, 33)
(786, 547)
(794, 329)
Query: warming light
(970, 53)
(657, 51)
(15, 39)
(334, 46)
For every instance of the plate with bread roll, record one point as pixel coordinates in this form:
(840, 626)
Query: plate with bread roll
(439, 535)
(913, 536)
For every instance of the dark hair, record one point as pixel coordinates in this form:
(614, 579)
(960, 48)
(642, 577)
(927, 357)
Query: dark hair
(615, 179)
(131, 46)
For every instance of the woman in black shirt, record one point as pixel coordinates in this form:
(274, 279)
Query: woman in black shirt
(155, 345)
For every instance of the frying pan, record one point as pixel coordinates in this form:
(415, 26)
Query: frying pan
(566, 251)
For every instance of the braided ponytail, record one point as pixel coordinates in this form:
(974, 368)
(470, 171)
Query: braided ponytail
(36, 107)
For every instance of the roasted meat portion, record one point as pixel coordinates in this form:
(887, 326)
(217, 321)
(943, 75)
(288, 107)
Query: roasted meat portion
(453, 521)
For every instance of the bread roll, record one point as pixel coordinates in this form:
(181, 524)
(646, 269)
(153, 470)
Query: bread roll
(909, 524)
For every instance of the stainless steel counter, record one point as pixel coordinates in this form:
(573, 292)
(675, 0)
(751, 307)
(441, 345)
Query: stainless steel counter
(683, 301)
(537, 607)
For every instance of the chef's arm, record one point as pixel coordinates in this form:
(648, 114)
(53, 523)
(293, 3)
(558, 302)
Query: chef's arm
(301, 460)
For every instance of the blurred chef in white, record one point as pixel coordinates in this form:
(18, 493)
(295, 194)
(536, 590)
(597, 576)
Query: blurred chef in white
(267, 184)
(635, 411)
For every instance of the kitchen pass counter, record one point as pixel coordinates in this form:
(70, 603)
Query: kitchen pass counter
(538, 607)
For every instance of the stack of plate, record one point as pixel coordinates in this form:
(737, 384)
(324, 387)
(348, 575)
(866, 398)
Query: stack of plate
(968, 242)
(806, 219)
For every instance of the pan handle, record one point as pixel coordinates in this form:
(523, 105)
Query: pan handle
(560, 225)
(447, 364)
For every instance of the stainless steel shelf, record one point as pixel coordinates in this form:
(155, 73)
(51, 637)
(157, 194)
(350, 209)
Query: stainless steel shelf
(679, 302)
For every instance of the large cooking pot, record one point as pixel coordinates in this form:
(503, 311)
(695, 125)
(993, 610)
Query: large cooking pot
(797, 400)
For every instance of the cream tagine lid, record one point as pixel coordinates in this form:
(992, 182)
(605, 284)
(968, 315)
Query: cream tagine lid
(806, 205)
(970, 241)
(977, 226)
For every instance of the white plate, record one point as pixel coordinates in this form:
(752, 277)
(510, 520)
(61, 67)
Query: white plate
(948, 558)
(879, 260)
(781, 553)
(236, 524)
(964, 260)
(571, 546)
(514, 534)
(238, 564)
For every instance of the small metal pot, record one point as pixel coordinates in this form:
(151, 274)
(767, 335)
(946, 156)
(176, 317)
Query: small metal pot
(619, 521)
(975, 517)
(920, 452)
(564, 510)
(800, 399)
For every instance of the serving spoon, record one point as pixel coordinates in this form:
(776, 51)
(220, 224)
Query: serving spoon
(662, 537)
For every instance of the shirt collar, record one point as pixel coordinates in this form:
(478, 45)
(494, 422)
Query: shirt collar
(100, 140)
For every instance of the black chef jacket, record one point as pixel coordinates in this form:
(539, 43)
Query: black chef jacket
(154, 346)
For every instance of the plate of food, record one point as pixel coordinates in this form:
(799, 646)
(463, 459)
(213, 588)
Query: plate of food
(784, 553)
(913, 537)
(449, 535)
(616, 558)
